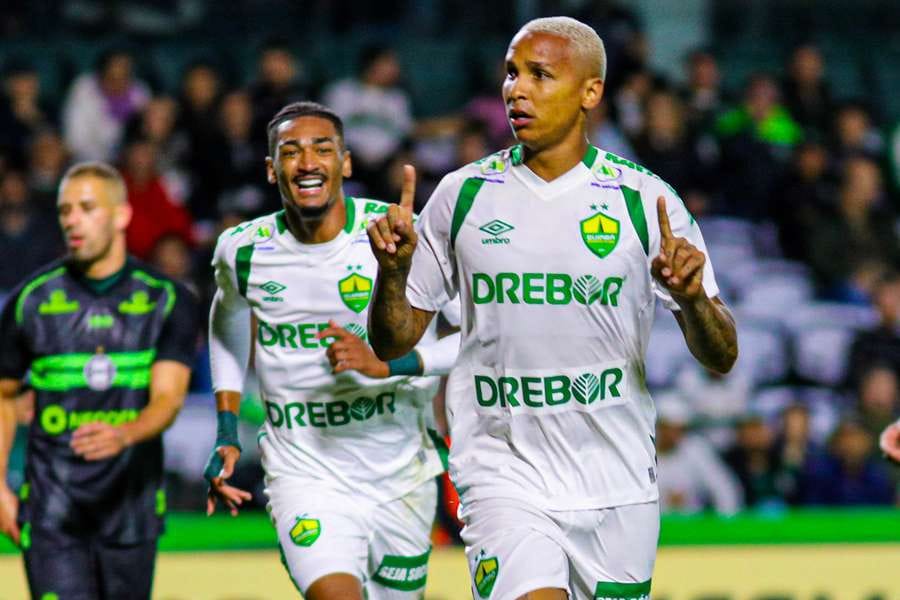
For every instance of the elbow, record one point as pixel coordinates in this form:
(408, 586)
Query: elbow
(724, 362)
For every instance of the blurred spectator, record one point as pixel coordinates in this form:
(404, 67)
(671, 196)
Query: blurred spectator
(605, 134)
(487, 106)
(877, 400)
(753, 460)
(717, 400)
(845, 245)
(691, 476)
(240, 174)
(21, 111)
(279, 82)
(155, 214)
(881, 344)
(47, 161)
(171, 255)
(854, 134)
(803, 195)
(28, 239)
(99, 104)
(630, 99)
(666, 147)
(756, 140)
(807, 94)
(850, 475)
(198, 117)
(376, 112)
(156, 123)
(473, 143)
(702, 94)
(796, 454)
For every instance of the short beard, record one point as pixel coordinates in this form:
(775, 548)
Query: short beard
(314, 213)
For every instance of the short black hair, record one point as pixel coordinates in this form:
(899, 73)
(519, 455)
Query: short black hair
(295, 110)
(369, 54)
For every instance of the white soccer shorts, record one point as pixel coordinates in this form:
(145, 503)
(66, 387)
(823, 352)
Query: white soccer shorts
(386, 546)
(603, 554)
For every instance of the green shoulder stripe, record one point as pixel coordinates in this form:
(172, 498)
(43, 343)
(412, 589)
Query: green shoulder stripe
(165, 284)
(590, 156)
(464, 202)
(351, 214)
(242, 267)
(33, 285)
(280, 221)
(638, 218)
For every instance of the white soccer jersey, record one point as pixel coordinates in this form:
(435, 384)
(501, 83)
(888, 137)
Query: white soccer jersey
(547, 400)
(345, 432)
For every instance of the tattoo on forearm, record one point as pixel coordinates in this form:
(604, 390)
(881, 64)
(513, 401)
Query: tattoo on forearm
(391, 318)
(710, 334)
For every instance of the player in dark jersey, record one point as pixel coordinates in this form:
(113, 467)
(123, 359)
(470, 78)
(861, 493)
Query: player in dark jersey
(106, 342)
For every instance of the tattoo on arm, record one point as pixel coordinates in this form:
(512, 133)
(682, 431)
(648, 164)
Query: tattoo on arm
(710, 333)
(394, 325)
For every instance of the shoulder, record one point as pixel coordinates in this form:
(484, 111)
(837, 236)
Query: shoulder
(614, 168)
(493, 167)
(155, 279)
(248, 233)
(32, 286)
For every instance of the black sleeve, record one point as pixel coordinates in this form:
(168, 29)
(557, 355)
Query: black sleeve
(178, 338)
(15, 356)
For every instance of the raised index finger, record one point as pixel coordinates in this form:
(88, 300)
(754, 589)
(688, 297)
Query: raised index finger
(665, 230)
(408, 191)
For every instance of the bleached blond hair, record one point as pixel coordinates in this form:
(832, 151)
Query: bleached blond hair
(584, 41)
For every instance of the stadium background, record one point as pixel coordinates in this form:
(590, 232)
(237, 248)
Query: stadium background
(777, 121)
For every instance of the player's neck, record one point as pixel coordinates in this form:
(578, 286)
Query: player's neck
(109, 264)
(551, 161)
(318, 231)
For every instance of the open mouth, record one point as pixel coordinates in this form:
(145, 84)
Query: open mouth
(309, 185)
(519, 118)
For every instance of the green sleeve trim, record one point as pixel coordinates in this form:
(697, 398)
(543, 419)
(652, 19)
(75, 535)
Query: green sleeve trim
(590, 156)
(33, 285)
(464, 202)
(280, 222)
(153, 282)
(622, 591)
(638, 218)
(242, 267)
(441, 446)
(404, 573)
(408, 364)
(351, 214)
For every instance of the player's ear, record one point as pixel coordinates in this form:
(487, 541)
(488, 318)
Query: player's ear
(347, 165)
(123, 215)
(270, 170)
(591, 93)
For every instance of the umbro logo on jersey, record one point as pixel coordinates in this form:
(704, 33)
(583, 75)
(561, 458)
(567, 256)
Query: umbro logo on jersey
(273, 288)
(495, 229)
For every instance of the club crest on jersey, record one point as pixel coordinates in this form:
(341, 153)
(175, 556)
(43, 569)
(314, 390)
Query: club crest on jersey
(600, 233)
(355, 291)
(99, 372)
(306, 531)
(486, 572)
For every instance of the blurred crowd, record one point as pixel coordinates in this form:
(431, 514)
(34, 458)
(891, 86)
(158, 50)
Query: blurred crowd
(811, 173)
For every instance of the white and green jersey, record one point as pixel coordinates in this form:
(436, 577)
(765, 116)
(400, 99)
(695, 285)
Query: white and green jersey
(345, 432)
(547, 400)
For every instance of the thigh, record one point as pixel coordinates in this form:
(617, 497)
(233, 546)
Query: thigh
(512, 550)
(401, 545)
(612, 551)
(319, 533)
(125, 572)
(60, 566)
